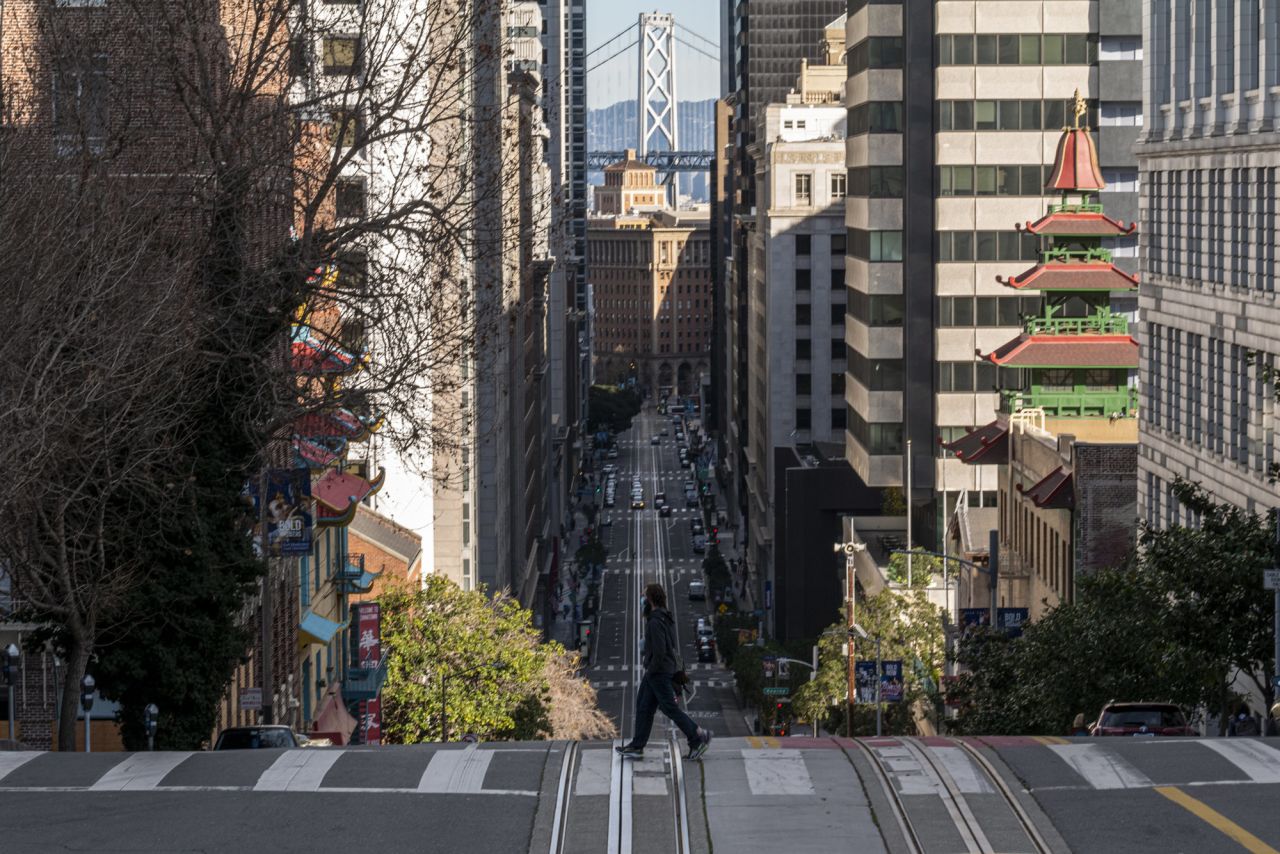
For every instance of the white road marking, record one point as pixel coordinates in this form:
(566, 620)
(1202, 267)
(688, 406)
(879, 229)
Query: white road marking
(11, 761)
(1100, 768)
(777, 772)
(594, 770)
(963, 770)
(298, 771)
(1259, 762)
(454, 771)
(140, 771)
(908, 775)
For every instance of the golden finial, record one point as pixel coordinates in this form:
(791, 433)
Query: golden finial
(1081, 108)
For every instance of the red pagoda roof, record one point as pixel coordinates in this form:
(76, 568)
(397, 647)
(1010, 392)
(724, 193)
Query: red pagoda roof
(338, 493)
(1075, 168)
(1073, 276)
(987, 445)
(1067, 351)
(1079, 224)
(1053, 492)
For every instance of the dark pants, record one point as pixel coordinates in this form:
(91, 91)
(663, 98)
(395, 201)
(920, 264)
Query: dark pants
(658, 692)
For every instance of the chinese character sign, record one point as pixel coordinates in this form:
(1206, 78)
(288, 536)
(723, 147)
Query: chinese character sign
(367, 638)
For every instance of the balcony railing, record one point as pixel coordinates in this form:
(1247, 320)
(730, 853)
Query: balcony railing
(1102, 323)
(1077, 207)
(1092, 255)
(1073, 403)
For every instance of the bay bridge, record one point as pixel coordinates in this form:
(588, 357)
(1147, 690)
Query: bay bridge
(656, 135)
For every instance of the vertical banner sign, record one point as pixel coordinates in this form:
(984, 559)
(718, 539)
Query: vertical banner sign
(288, 518)
(891, 681)
(368, 657)
(865, 681)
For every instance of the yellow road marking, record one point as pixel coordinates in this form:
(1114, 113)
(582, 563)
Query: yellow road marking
(754, 741)
(1049, 739)
(1211, 816)
(772, 741)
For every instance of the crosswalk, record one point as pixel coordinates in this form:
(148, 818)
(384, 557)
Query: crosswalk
(608, 684)
(469, 770)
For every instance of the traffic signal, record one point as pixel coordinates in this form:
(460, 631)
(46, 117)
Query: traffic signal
(779, 706)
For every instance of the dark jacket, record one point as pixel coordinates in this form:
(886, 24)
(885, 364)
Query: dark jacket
(660, 643)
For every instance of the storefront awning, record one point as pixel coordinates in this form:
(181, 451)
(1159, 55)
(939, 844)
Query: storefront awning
(313, 628)
(333, 721)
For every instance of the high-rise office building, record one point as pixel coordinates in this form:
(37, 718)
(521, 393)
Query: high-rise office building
(1209, 156)
(954, 110)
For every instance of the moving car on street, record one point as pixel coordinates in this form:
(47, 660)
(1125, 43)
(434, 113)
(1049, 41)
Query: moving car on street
(1141, 719)
(697, 590)
(256, 738)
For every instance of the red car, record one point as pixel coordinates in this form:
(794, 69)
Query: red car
(1141, 719)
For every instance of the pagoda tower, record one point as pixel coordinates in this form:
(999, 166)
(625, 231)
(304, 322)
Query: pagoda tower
(1076, 359)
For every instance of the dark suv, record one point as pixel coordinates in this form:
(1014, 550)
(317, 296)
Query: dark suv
(256, 738)
(1141, 719)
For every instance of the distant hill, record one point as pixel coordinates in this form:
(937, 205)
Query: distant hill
(613, 128)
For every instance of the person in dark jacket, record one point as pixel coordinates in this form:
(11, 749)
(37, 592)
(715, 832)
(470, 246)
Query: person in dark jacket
(657, 690)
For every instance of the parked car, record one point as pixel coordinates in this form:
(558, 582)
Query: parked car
(612, 454)
(659, 499)
(699, 544)
(256, 738)
(664, 510)
(698, 590)
(695, 526)
(704, 629)
(664, 431)
(656, 440)
(1141, 719)
(691, 499)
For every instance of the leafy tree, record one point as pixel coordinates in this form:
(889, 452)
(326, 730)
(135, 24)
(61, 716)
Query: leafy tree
(500, 681)
(1175, 623)
(716, 569)
(924, 568)
(610, 408)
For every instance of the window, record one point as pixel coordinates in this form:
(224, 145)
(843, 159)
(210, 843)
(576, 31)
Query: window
(837, 314)
(804, 277)
(839, 185)
(341, 55)
(876, 246)
(80, 99)
(837, 419)
(837, 385)
(803, 190)
(876, 117)
(803, 314)
(838, 245)
(804, 348)
(877, 182)
(885, 438)
(876, 52)
(804, 383)
(804, 418)
(837, 349)
(345, 128)
(349, 198)
(804, 243)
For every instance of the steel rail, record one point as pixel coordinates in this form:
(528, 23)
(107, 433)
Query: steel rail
(909, 835)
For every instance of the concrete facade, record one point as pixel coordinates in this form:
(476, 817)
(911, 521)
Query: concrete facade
(1209, 155)
(954, 112)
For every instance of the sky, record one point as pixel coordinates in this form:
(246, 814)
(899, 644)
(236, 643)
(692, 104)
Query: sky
(697, 77)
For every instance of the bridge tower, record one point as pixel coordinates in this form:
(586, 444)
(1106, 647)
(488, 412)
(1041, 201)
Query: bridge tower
(657, 113)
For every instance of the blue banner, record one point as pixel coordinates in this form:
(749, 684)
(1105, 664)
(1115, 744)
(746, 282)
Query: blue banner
(891, 681)
(288, 517)
(1009, 620)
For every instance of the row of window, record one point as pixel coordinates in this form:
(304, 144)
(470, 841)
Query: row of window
(1018, 180)
(804, 418)
(804, 384)
(1201, 389)
(987, 246)
(1018, 49)
(804, 278)
(804, 349)
(802, 194)
(986, 311)
(878, 439)
(875, 52)
(1214, 225)
(804, 314)
(988, 114)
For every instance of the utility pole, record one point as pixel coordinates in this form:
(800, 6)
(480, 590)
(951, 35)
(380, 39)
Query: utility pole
(879, 682)
(1275, 673)
(266, 675)
(993, 546)
(911, 545)
(849, 549)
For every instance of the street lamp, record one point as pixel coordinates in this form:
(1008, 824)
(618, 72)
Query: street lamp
(849, 549)
(444, 693)
(150, 716)
(11, 654)
(86, 702)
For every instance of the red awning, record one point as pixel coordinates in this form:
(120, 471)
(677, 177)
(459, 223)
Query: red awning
(1072, 276)
(1082, 224)
(988, 445)
(1075, 168)
(1053, 492)
(1068, 351)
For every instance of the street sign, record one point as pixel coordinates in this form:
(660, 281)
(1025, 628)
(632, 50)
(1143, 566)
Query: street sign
(1271, 579)
(250, 699)
(776, 690)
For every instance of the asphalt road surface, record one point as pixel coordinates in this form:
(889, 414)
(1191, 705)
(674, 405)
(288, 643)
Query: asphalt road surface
(943, 795)
(645, 547)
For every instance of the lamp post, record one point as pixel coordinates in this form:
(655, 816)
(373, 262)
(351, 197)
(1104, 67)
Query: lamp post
(150, 715)
(444, 693)
(849, 549)
(86, 702)
(11, 654)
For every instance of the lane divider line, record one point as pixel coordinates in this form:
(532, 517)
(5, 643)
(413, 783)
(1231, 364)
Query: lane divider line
(1217, 820)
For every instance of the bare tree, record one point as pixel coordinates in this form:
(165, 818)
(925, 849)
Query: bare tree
(571, 701)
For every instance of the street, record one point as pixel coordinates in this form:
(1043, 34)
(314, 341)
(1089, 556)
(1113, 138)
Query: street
(645, 547)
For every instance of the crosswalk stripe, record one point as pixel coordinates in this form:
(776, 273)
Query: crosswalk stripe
(1260, 763)
(963, 770)
(140, 771)
(298, 771)
(456, 771)
(777, 772)
(594, 771)
(11, 761)
(1101, 768)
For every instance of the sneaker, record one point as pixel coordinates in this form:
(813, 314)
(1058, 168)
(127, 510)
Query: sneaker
(700, 748)
(628, 750)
